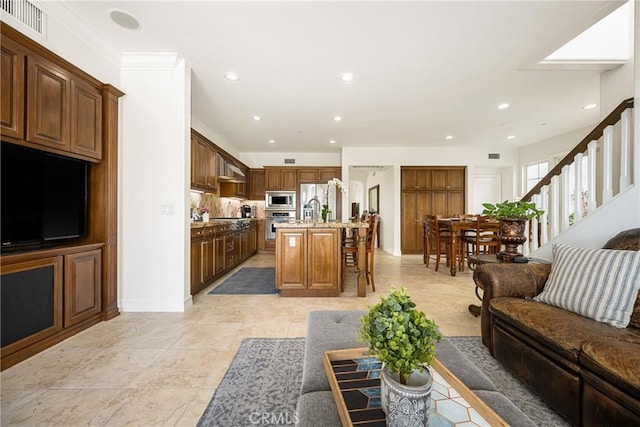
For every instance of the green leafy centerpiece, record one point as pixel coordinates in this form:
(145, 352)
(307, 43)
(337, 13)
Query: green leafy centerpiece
(403, 339)
(513, 217)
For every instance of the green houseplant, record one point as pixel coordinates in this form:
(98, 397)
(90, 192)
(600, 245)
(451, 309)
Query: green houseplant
(513, 217)
(403, 339)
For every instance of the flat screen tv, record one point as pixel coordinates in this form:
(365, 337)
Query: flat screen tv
(43, 199)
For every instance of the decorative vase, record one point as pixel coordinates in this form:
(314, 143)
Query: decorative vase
(205, 217)
(324, 212)
(406, 405)
(511, 236)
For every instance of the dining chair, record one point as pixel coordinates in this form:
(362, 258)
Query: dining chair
(485, 239)
(350, 252)
(437, 242)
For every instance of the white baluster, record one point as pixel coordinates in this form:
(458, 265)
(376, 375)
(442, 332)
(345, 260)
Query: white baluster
(625, 149)
(565, 198)
(544, 219)
(554, 206)
(592, 176)
(607, 164)
(577, 206)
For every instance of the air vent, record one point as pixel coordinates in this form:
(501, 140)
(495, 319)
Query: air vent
(494, 156)
(289, 161)
(26, 12)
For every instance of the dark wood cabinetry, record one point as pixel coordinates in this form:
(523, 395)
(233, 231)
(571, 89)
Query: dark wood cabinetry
(438, 190)
(280, 178)
(317, 175)
(203, 164)
(49, 104)
(256, 184)
(215, 250)
(57, 290)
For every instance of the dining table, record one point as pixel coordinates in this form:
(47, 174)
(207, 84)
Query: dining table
(457, 226)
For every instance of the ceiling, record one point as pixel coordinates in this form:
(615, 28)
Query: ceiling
(423, 70)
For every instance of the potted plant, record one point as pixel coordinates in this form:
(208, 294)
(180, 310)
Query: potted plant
(403, 339)
(513, 217)
(333, 182)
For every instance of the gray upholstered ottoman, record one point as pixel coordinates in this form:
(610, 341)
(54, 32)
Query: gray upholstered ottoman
(335, 330)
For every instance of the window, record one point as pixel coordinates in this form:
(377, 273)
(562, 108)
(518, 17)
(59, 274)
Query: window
(534, 173)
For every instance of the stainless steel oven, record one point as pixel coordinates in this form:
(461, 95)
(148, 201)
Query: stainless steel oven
(280, 200)
(274, 217)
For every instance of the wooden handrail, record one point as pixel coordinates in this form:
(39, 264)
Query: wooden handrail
(596, 133)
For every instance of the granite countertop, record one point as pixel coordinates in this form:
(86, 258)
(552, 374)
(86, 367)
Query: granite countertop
(219, 221)
(301, 224)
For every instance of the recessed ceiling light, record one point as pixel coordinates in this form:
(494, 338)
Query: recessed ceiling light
(347, 77)
(337, 118)
(272, 141)
(511, 137)
(448, 137)
(256, 118)
(124, 19)
(503, 106)
(332, 141)
(232, 76)
(590, 106)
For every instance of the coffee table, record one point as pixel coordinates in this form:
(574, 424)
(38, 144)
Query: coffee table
(355, 383)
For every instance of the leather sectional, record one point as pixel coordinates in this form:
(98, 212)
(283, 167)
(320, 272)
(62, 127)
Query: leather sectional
(587, 371)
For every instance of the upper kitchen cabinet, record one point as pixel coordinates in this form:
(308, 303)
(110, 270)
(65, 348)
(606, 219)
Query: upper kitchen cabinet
(318, 175)
(280, 178)
(256, 184)
(203, 164)
(418, 178)
(12, 89)
(63, 111)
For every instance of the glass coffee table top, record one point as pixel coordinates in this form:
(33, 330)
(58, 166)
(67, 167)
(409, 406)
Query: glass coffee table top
(355, 383)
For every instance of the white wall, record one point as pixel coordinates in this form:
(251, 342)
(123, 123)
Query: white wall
(155, 179)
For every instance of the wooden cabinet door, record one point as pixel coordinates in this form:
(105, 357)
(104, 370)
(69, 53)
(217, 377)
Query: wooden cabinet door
(423, 179)
(208, 258)
(35, 289)
(210, 169)
(194, 163)
(82, 286)
(272, 179)
(324, 175)
(440, 203)
(456, 179)
(414, 178)
(415, 205)
(256, 184)
(291, 270)
(12, 89)
(201, 164)
(48, 88)
(288, 179)
(86, 119)
(196, 266)
(220, 252)
(308, 175)
(323, 264)
(253, 240)
(455, 202)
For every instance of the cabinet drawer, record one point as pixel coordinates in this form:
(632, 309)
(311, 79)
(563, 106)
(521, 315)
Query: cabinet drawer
(197, 232)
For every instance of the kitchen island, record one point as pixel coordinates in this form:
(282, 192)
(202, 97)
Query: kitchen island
(309, 258)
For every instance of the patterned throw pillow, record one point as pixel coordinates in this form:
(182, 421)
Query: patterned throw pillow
(601, 284)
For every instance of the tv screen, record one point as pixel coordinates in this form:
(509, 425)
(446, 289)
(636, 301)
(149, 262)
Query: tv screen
(44, 196)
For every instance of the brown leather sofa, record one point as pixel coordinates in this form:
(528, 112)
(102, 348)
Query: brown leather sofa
(587, 371)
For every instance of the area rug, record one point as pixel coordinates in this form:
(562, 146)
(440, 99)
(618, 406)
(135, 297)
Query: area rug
(249, 280)
(262, 384)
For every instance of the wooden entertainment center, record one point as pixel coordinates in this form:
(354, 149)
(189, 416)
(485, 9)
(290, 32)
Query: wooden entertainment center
(49, 104)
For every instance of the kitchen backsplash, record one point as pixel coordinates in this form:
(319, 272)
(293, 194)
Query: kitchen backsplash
(222, 207)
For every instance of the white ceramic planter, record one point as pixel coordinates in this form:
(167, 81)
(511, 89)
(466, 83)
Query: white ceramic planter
(405, 405)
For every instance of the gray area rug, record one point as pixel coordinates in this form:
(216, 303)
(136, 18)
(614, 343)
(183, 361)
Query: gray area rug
(263, 382)
(249, 280)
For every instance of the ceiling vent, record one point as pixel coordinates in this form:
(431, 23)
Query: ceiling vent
(289, 161)
(27, 13)
(494, 156)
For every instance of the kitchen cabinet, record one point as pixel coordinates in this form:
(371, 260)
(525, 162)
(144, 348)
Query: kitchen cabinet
(280, 178)
(318, 175)
(12, 84)
(220, 253)
(308, 261)
(196, 262)
(436, 190)
(203, 165)
(256, 184)
(208, 255)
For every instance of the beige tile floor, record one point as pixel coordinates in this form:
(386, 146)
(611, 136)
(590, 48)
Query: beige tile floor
(153, 369)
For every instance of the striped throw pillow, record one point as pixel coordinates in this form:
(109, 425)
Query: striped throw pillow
(601, 284)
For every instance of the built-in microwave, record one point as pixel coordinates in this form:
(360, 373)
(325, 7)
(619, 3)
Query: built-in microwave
(280, 200)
